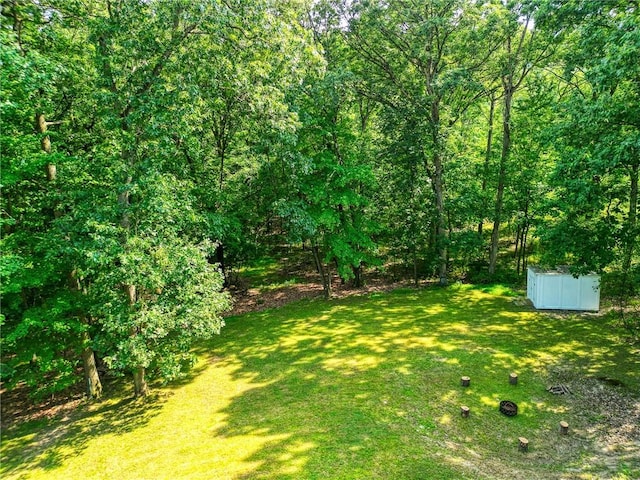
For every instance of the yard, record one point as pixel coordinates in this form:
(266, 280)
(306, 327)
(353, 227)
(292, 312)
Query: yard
(366, 388)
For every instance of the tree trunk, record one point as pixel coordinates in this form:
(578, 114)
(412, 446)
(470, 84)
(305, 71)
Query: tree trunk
(90, 371)
(523, 230)
(220, 260)
(325, 275)
(523, 248)
(441, 231)
(357, 276)
(221, 155)
(632, 220)
(438, 190)
(89, 368)
(45, 144)
(141, 389)
(91, 377)
(511, 81)
(504, 157)
(487, 155)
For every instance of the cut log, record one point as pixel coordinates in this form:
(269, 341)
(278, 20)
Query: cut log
(564, 428)
(523, 444)
(465, 381)
(559, 389)
(464, 411)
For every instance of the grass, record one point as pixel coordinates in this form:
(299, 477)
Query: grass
(360, 388)
(263, 272)
(277, 286)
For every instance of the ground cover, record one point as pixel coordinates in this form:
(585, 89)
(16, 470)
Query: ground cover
(367, 387)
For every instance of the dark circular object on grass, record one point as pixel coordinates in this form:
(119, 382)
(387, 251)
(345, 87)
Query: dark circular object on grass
(509, 408)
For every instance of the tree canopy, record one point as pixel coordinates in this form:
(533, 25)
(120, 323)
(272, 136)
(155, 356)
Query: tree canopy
(150, 148)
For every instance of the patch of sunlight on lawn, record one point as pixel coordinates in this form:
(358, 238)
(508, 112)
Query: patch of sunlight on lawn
(564, 346)
(434, 309)
(372, 343)
(456, 327)
(504, 358)
(352, 363)
(450, 396)
(294, 459)
(445, 419)
(579, 349)
(294, 341)
(497, 328)
(451, 361)
(522, 317)
(183, 441)
(489, 401)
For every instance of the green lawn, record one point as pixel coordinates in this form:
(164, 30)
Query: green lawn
(365, 388)
(265, 273)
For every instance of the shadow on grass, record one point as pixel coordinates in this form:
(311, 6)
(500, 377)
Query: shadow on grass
(369, 388)
(48, 443)
(62, 438)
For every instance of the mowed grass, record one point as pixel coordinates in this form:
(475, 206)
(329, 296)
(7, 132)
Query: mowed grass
(360, 388)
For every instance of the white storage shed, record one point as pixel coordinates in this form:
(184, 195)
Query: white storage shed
(559, 290)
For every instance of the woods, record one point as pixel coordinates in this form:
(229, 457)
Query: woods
(151, 148)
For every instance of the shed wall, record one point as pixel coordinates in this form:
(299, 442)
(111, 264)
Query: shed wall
(561, 291)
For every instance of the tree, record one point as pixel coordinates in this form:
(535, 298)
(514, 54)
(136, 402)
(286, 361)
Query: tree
(594, 221)
(328, 201)
(149, 312)
(420, 62)
(522, 52)
(112, 211)
(596, 205)
(237, 113)
(47, 329)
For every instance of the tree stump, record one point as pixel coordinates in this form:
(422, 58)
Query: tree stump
(464, 411)
(564, 428)
(465, 381)
(523, 444)
(513, 378)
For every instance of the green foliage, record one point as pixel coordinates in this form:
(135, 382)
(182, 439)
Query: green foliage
(623, 290)
(466, 247)
(179, 140)
(44, 343)
(331, 179)
(595, 204)
(178, 302)
(42, 327)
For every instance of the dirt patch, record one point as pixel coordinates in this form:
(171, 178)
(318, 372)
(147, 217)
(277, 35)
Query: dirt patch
(606, 423)
(17, 407)
(258, 299)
